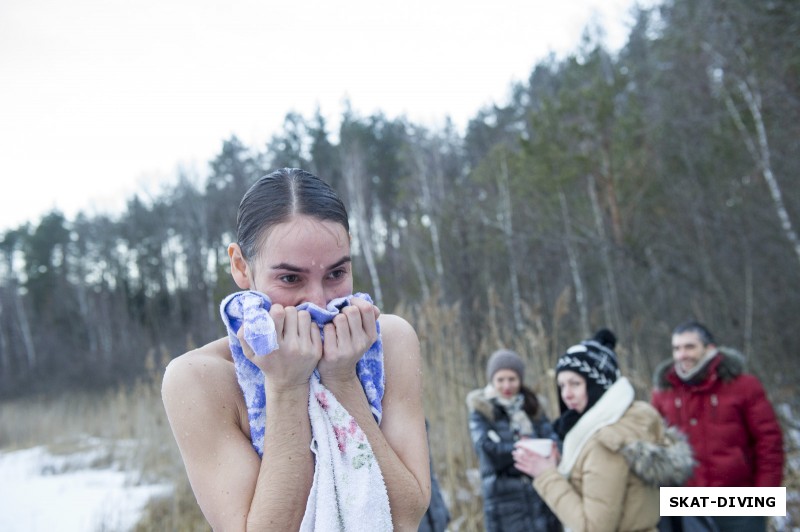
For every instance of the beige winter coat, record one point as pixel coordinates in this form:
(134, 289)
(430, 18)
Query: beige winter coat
(614, 482)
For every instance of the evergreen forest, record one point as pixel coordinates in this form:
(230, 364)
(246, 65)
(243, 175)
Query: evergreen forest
(629, 190)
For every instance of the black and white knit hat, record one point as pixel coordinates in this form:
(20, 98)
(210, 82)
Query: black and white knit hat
(595, 360)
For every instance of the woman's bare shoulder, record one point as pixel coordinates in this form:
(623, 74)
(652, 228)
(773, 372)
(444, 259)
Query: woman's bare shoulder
(213, 355)
(202, 371)
(396, 329)
(401, 348)
(204, 402)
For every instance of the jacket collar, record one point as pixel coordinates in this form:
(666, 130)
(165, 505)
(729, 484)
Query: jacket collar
(701, 381)
(606, 411)
(482, 401)
(726, 366)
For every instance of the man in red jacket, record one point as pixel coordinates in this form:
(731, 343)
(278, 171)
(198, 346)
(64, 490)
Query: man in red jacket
(724, 411)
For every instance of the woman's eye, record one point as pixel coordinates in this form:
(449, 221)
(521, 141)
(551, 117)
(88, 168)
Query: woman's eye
(291, 278)
(337, 274)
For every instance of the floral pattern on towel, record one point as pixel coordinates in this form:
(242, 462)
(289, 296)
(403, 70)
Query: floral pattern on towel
(348, 433)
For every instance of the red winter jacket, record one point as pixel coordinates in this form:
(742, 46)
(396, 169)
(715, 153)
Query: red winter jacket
(730, 423)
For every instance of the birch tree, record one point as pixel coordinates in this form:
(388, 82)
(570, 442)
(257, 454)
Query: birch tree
(505, 217)
(355, 179)
(10, 246)
(428, 175)
(755, 137)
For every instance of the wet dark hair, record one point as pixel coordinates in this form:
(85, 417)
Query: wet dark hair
(276, 197)
(696, 327)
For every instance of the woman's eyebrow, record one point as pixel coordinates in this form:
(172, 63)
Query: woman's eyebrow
(340, 262)
(298, 269)
(289, 267)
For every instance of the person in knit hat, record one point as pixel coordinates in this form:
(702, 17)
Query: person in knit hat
(595, 361)
(616, 451)
(505, 359)
(500, 414)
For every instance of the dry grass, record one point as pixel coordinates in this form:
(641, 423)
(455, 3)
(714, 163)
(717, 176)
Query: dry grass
(64, 424)
(136, 413)
(449, 377)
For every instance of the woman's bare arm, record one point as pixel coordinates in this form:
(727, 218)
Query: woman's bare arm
(400, 443)
(234, 488)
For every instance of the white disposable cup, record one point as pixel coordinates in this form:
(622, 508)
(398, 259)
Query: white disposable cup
(542, 446)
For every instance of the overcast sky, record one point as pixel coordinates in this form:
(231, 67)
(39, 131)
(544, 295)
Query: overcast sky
(101, 99)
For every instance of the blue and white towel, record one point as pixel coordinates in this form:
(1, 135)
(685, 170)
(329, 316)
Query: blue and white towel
(348, 491)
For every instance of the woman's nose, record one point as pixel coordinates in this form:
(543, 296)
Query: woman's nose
(316, 295)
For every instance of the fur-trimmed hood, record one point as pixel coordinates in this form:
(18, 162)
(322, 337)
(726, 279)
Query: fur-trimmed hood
(666, 464)
(730, 364)
(659, 456)
(652, 457)
(478, 401)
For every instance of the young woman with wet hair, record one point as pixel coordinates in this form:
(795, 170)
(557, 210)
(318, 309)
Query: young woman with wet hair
(293, 245)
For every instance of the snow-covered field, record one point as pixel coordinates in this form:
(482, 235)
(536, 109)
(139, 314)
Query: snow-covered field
(94, 484)
(86, 489)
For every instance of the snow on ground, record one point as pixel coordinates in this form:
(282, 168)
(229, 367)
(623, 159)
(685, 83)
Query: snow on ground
(82, 491)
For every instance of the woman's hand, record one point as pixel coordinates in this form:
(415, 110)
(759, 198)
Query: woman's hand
(532, 463)
(347, 338)
(299, 348)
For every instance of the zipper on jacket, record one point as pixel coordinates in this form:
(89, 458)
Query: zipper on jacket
(679, 410)
(714, 403)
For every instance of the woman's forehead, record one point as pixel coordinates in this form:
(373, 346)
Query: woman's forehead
(307, 236)
(567, 375)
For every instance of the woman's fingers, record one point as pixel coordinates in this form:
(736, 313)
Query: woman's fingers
(365, 307)
(347, 325)
(346, 338)
(316, 339)
(355, 329)
(300, 334)
(299, 347)
(303, 324)
(278, 314)
(248, 352)
(290, 324)
(330, 343)
(308, 334)
(530, 462)
(362, 321)
(523, 458)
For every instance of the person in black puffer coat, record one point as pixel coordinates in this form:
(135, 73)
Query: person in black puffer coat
(437, 517)
(499, 415)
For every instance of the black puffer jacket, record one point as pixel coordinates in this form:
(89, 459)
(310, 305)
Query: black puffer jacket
(437, 517)
(509, 501)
